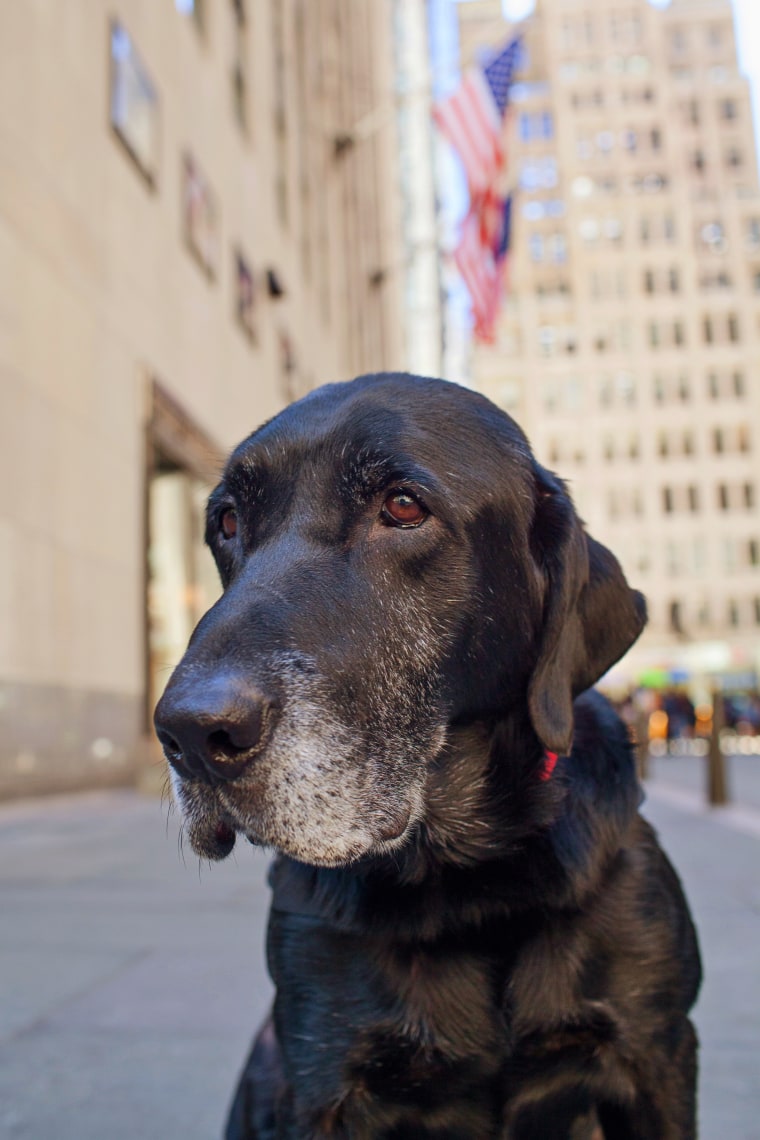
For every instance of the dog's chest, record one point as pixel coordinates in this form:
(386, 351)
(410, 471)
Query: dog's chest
(388, 1031)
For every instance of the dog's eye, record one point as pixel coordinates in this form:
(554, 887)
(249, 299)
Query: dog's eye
(228, 523)
(402, 509)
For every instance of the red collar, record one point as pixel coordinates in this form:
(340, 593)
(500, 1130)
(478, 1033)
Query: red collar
(550, 761)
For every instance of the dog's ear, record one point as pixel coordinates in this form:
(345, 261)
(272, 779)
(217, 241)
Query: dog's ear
(591, 616)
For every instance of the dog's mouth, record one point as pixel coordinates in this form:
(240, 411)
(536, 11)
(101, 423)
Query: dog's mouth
(213, 820)
(211, 835)
(224, 839)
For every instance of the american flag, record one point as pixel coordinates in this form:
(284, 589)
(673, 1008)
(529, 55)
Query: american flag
(471, 118)
(481, 258)
(477, 266)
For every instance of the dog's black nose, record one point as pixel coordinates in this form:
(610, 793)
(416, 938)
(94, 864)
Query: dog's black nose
(212, 728)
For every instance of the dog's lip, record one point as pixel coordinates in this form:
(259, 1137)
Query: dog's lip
(224, 834)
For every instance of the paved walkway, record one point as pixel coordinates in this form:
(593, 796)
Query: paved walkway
(130, 980)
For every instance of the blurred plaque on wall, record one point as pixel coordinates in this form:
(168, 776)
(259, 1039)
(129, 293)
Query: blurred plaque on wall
(245, 295)
(200, 216)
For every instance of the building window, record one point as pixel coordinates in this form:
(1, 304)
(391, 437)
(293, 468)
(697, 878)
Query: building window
(733, 328)
(194, 8)
(535, 126)
(723, 497)
(678, 40)
(240, 64)
(557, 248)
(280, 165)
(626, 387)
(749, 495)
(134, 104)
(707, 330)
(715, 36)
(547, 340)
(728, 109)
(712, 236)
(675, 617)
(539, 174)
(738, 379)
(667, 500)
(729, 554)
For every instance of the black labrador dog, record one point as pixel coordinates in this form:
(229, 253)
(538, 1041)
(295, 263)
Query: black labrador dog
(473, 935)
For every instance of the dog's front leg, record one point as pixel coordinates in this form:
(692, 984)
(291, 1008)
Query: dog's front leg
(260, 1091)
(667, 1108)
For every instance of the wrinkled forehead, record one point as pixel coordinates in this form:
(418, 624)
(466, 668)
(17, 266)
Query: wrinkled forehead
(426, 432)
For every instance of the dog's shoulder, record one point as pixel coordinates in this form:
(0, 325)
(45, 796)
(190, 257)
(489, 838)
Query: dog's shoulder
(599, 828)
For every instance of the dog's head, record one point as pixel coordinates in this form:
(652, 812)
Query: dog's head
(394, 562)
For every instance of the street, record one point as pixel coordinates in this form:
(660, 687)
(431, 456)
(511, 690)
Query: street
(132, 979)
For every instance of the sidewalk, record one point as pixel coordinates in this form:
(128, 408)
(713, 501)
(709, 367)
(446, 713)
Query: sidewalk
(717, 854)
(131, 983)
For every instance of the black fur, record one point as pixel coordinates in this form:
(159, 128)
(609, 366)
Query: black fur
(462, 949)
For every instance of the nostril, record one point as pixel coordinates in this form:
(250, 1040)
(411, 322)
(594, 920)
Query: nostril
(183, 763)
(221, 742)
(171, 748)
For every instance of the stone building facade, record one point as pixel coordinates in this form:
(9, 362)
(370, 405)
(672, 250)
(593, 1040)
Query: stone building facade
(197, 211)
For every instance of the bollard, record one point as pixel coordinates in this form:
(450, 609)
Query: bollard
(717, 784)
(641, 738)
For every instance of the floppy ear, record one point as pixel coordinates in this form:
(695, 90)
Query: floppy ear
(591, 615)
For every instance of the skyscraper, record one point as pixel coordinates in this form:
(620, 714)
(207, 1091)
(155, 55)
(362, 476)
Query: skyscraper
(629, 344)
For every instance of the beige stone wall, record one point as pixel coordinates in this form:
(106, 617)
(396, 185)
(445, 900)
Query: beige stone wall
(99, 294)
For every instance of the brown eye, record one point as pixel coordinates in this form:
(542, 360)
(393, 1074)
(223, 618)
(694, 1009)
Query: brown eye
(402, 509)
(228, 523)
